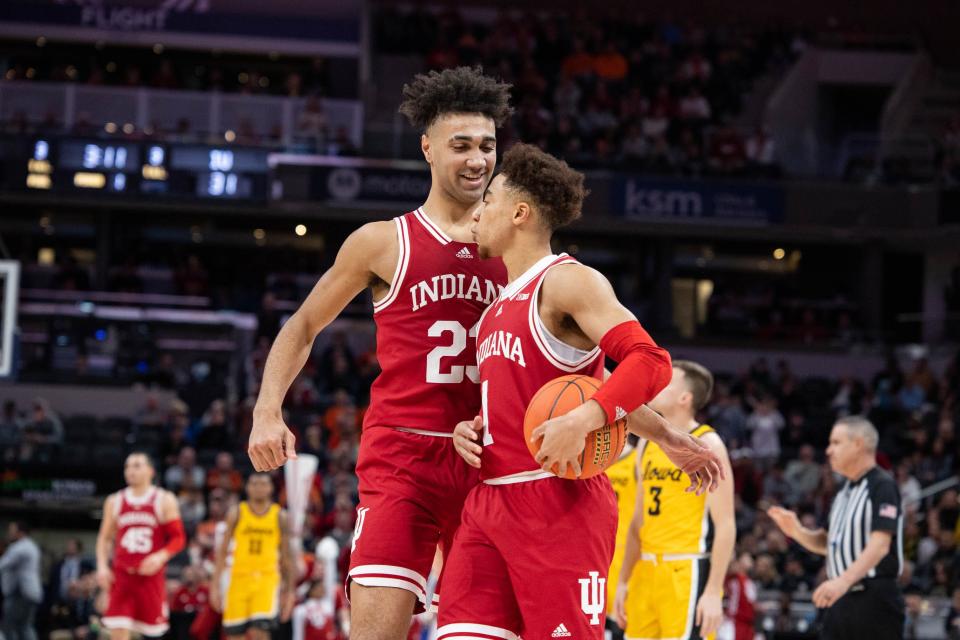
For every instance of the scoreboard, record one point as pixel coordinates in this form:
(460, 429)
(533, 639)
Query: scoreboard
(166, 170)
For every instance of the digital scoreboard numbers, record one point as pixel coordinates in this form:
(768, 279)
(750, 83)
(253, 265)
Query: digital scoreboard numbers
(223, 173)
(153, 173)
(40, 167)
(99, 166)
(134, 169)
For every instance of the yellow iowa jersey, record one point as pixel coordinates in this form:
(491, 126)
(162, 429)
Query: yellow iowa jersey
(623, 477)
(674, 521)
(257, 541)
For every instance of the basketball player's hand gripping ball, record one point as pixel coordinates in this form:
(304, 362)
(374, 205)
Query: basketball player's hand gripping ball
(565, 432)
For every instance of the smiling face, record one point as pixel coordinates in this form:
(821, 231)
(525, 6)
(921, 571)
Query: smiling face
(461, 149)
(493, 219)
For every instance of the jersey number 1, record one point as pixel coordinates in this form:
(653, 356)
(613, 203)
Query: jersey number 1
(455, 348)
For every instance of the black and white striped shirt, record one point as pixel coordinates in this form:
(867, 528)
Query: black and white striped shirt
(869, 504)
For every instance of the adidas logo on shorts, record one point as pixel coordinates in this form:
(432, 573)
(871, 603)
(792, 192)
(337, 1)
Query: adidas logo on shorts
(561, 632)
(464, 253)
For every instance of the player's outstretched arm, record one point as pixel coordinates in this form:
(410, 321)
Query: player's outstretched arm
(108, 531)
(574, 292)
(701, 464)
(813, 540)
(368, 254)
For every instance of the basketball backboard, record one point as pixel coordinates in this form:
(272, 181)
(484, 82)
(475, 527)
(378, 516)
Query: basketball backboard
(9, 292)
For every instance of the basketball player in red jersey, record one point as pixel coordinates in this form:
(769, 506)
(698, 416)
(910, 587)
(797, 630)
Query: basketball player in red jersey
(532, 552)
(429, 287)
(142, 524)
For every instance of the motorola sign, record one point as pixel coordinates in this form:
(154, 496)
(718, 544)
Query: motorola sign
(359, 183)
(344, 184)
(678, 200)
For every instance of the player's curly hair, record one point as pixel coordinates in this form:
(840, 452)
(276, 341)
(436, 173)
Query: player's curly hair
(458, 90)
(556, 190)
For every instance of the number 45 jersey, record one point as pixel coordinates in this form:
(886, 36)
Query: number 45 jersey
(426, 330)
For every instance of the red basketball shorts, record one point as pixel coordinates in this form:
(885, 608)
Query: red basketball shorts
(138, 603)
(412, 490)
(531, 559)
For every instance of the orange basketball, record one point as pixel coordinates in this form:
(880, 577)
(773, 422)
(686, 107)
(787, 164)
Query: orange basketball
(562, 395)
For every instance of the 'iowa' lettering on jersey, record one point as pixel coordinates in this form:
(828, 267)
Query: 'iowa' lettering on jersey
(651, 472)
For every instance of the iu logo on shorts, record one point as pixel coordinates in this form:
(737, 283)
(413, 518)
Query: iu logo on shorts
(358, 528)
(592, 596)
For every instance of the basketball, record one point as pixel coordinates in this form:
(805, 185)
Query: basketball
(562, 395)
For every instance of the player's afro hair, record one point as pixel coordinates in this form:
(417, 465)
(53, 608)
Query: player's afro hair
(458, 90)
(556, 190)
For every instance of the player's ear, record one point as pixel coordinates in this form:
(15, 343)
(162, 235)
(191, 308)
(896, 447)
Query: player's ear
(685, 398)
(521, 213)
(425, 147)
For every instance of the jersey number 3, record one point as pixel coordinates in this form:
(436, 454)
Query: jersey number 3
(459, 342)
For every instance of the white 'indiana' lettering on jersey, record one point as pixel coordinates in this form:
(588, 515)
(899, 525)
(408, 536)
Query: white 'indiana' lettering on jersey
(501, 343)
(453, 285)
(137, 518)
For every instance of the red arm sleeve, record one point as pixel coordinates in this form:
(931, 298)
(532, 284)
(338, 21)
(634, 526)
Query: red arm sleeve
(644, 369)
(175, 535)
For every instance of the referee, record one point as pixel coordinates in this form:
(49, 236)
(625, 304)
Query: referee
(864, 544)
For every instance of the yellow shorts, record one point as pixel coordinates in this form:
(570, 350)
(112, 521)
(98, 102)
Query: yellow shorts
(252, 600)
(662, 599)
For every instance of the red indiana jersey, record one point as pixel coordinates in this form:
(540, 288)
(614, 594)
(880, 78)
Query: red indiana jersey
(138, 529)
(741, 599)
(517, 355)
(426, 330)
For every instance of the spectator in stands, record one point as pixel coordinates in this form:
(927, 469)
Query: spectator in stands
(71, 276)
(764, 425)
(150, 415)
(952, 622)
(610, 65)
(761, 154)
(20, 583)
(694, 107)
(192, 278)
(178, 423)
(67, 570)
(42, 435)
(185, 472)
(803, 474)
(727, 155)
(224, 475)
(766, 573)
(218, 505)
(315, 618)
(566, 98)
(215, 432)
(312, 125)
(193, 592)
(578, 64)
(10, 426)
(193, 509)
(726, 415)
